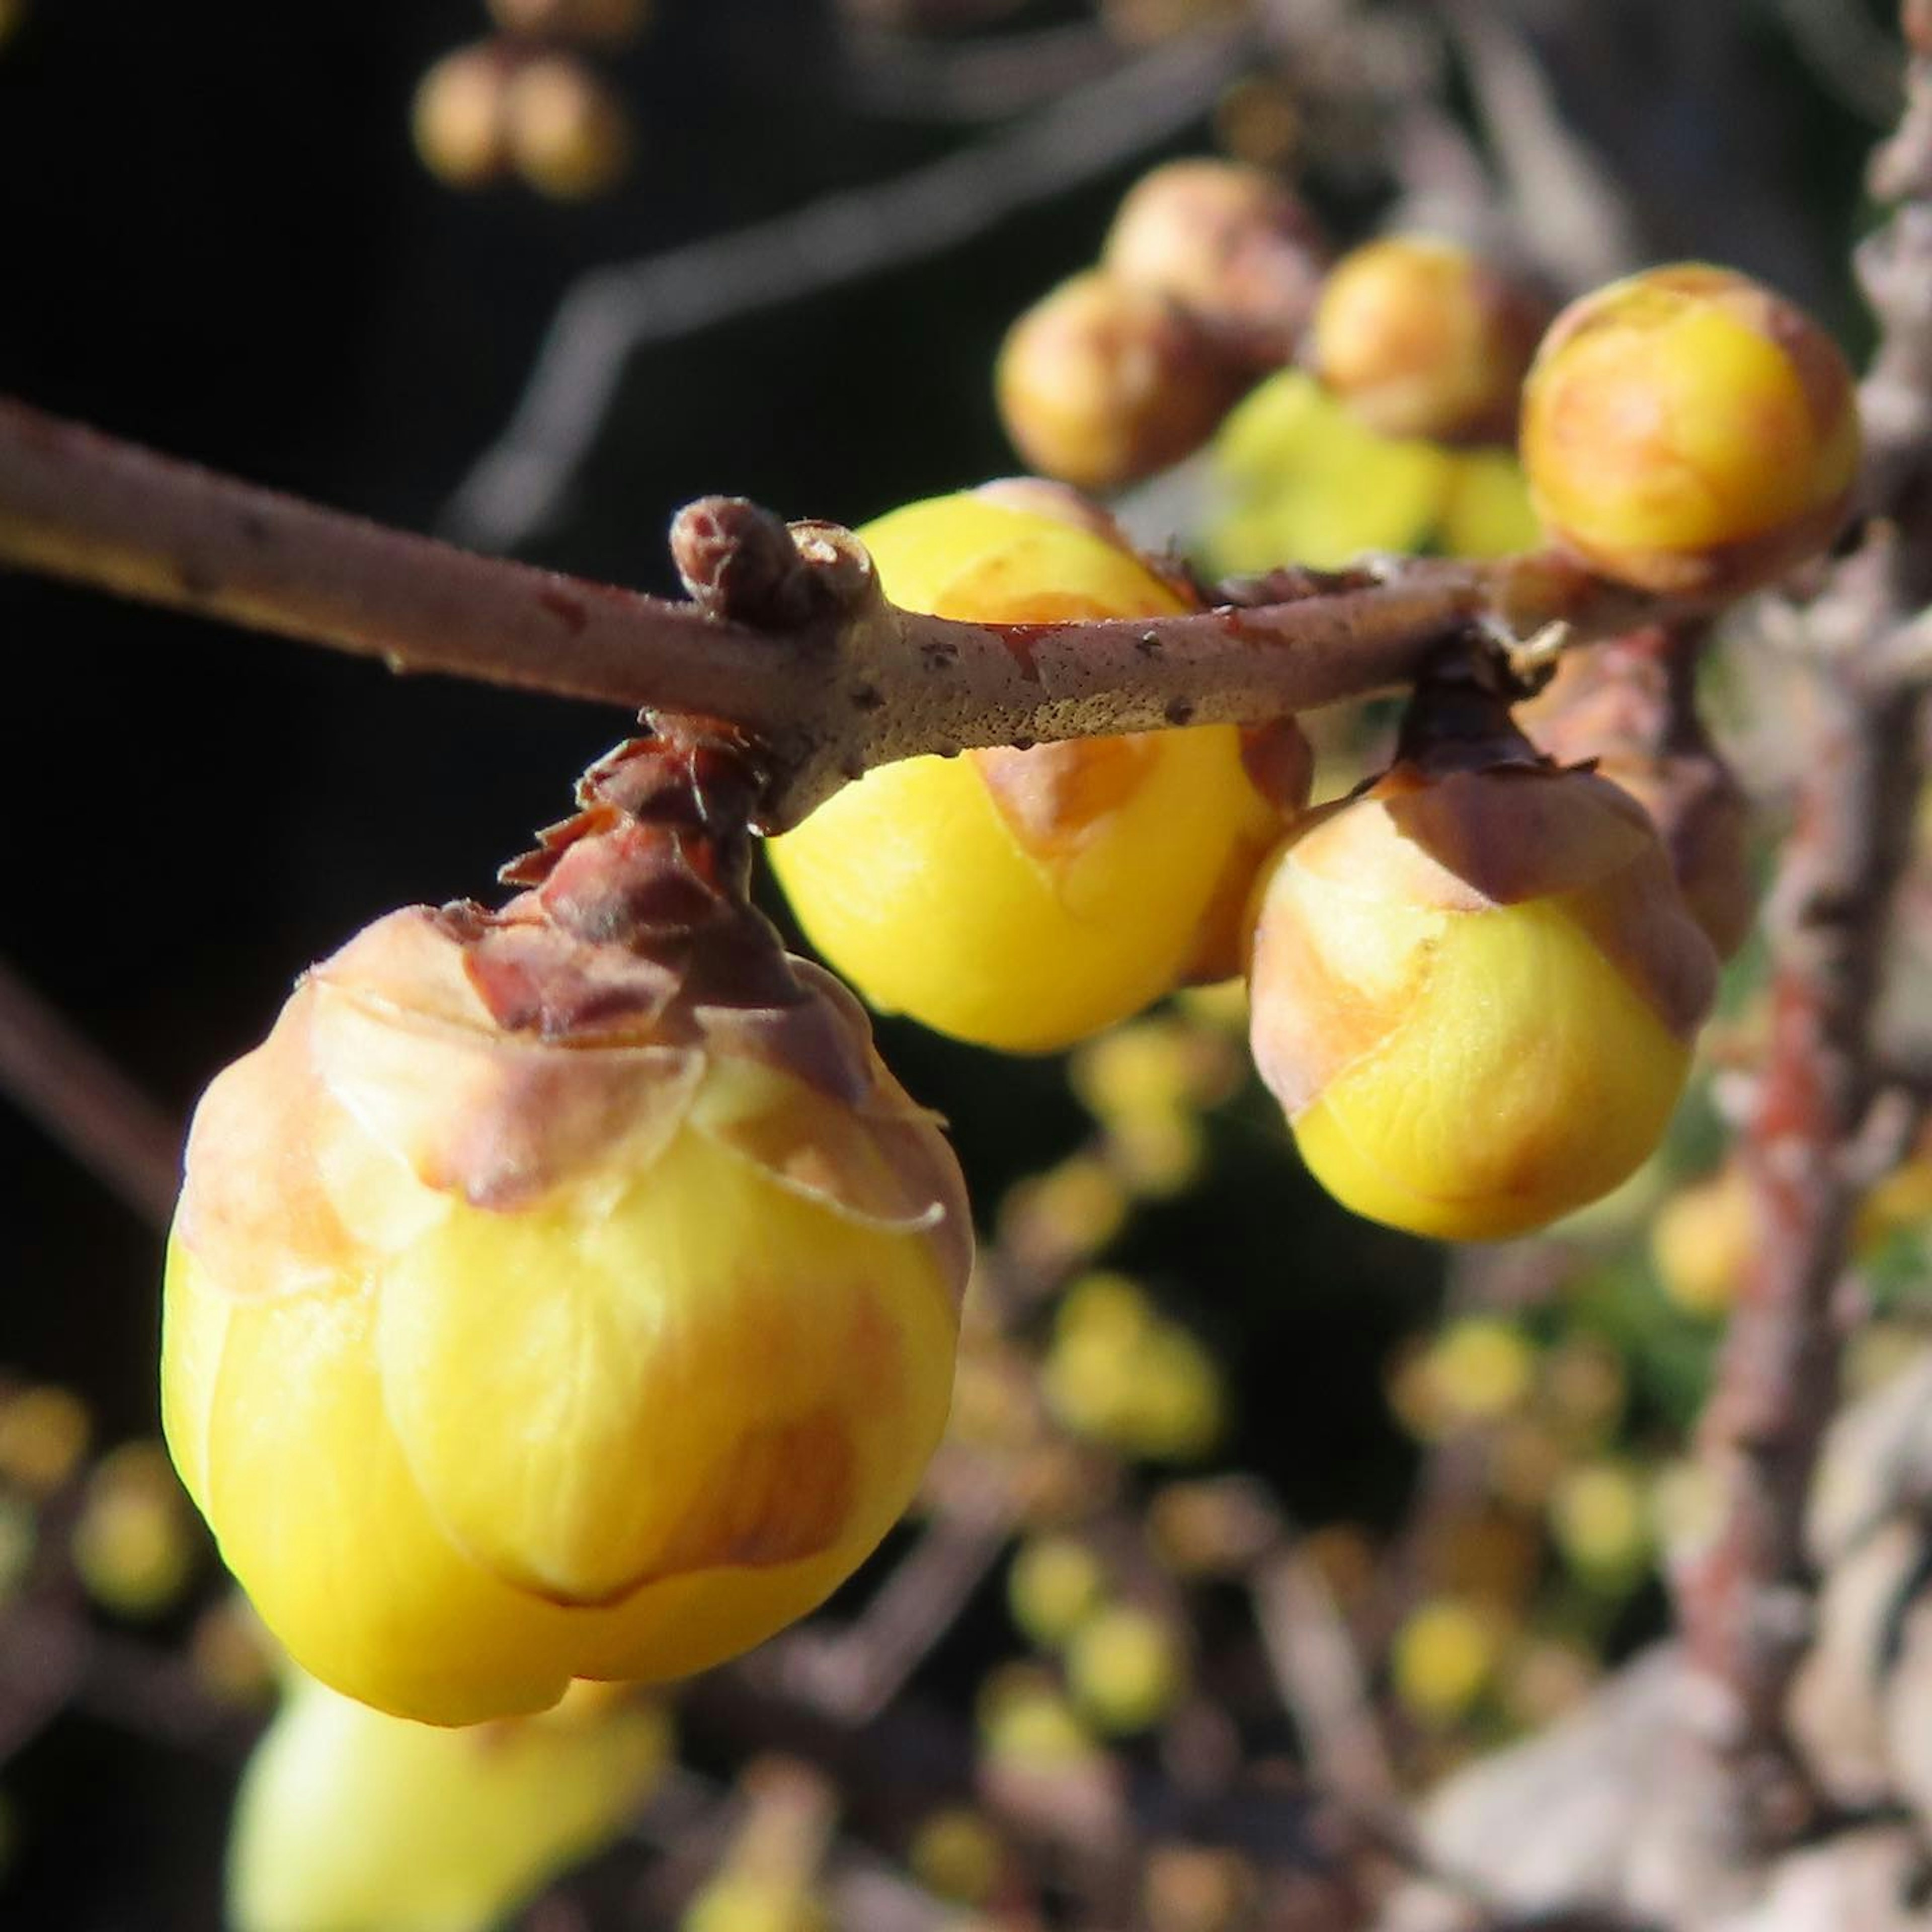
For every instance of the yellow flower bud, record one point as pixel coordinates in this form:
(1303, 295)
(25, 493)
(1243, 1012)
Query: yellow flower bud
(1126, 1669)
(1600, 1516)
(957, 1855)
(1101, 382)
(566, 132)
(1483, 1368)
(134, 1541)
(1422, 337)
(1474, 994)
(1023, 899)
(352, 1821)
(497, 1357)
(1687, 430)
(1055, 1583)
(458, 119)
(1229, 243)
(1443, 1658)
(1701, 1242)
(44, 1435)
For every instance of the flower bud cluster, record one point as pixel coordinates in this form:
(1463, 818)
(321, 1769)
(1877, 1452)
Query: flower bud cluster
(1205, 282)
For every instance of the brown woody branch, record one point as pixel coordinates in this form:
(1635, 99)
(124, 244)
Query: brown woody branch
(799, 650)
(1745, 1597)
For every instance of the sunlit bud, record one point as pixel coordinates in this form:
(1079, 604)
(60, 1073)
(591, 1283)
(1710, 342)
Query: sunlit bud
(44, 1435)
(1687, 430)
(458, 120)
(1600, 1516)
(1701, 1242)
(1231, 245)
(351, 1821)
(134, 1541)
(1055, 1583)
(1422, 337)
(608, 23)
(956, 1854)
(1025, 898)
(567, 134)
(540, 1309)
(1196, 1888)
(1443, 1658)
(1127, 1669)
(1483, 1367)
(1102, 383)
(1474, 991)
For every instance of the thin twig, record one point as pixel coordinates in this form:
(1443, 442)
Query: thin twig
(518, 486)
(828, 677)
(86, 1103)
(1745, 1596)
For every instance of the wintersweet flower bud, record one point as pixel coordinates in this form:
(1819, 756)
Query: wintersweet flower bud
(566, 132)
(551, 1298)
(1101, 383)
(352, 1821)
(1422, 337)
(458, 119)
(1024, 899)
(1474, 992)
(1229, 243)
(1688, 431)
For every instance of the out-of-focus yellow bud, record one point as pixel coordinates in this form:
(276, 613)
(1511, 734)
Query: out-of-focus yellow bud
(1258, 121)
(1231, 243)
(1055, 1582)
(352, 1821)
(1422, 337)
(1444, 1657)
(1215, 1526)
(956, 1854)
(1023, 899)
(1484, 1366)
(750, 1902)
(497, 1357)
(134, 1544)
(1127, 1669)
(1120, 1374)
(44, 1435)
(1600, 1516)
(1101, 383)
(1303, 479)
(1525, 1461)
(1474, 994)
(458, 119)
(1025, 1721)
(1899, 1203)
(1687, 430)
(610, 23)
(564, 131)
(1485, 509)
(1701, 1240)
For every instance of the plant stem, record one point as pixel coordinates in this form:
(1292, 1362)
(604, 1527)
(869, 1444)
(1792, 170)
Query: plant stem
(846, 682)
